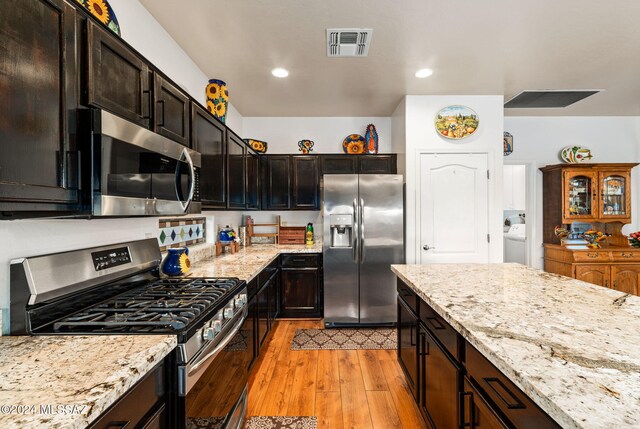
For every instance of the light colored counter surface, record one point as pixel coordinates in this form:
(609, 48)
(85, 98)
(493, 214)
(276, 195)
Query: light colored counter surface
(68, 381)
(573, 347)
(248, 261)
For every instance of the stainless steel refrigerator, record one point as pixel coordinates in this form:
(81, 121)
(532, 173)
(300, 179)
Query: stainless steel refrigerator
(363, 235)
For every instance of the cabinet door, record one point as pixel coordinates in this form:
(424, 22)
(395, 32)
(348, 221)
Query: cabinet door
(377, 164)
(338, 164)
(38, 80)
(625, 278)
(171, 111)
(305, 187)
(274, 298)
(408, 345)
(262, 310)
(300, 292)
(615, 195)
(439, 378)
(579, 195)
(208, 138)
(236, 167)
(477, 413)
(276, 184)
(253, 180)
(117, 79)
(598, 274)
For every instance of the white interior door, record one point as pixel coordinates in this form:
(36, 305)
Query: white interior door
(453, 208)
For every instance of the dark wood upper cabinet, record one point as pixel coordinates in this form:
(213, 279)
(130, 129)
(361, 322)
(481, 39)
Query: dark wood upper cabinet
(38, 89)
(208, 137)
(305, 186)
(236, 168)
(117, 79)
(275, 182)
(338, 164)
(253, 180)
(171, 111)
(377, 164)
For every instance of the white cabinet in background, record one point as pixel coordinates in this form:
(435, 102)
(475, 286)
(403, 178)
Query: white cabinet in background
(514, 181)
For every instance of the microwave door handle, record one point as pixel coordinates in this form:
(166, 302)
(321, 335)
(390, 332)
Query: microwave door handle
(192, 175)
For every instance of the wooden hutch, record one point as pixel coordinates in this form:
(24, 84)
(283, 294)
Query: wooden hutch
(598, 194)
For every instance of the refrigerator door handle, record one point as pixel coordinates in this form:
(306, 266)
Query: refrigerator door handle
(354, 228)
(361, 211)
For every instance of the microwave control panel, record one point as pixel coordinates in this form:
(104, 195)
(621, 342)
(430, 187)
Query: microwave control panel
(110, 258)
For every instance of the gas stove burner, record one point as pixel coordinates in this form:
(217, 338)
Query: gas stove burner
(163, 306)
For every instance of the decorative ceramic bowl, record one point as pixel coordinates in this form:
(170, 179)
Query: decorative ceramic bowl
(575, 154)
(102, 10)
(353, 144)
(561, 232)
(257, 145)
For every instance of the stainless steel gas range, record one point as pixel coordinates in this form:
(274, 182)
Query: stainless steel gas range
(117, 289)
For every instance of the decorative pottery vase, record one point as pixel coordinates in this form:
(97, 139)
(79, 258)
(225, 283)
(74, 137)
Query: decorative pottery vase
(353, 144)
(371, 140)
(226, 235)
(103, 12)
(305, 146)
(217, 99)
(257, 145)
(176, 263)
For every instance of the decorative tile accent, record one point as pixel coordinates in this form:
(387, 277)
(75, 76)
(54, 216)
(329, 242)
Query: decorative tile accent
(180, 232)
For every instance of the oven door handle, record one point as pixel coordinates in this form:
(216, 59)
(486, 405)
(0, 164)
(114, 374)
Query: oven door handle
(192, 174)
(200, 360)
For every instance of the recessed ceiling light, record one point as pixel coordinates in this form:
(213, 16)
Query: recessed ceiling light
(280, 72)
(422, 73)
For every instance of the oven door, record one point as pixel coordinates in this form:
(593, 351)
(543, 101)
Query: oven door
(138, 172)
(214, 381)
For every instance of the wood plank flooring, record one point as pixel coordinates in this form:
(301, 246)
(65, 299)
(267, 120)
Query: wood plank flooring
(345, 389)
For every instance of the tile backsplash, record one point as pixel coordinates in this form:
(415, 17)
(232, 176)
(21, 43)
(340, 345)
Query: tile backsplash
(180, 232)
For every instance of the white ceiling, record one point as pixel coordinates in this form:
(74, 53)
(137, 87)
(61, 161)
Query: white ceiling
(473, 46)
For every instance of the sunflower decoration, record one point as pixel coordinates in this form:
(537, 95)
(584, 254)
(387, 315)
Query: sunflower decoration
(217, 98)
(224, 93)
(353, 144)
(213, 91)
(210, 106)
(221, 110)
(185, 264)
(99, 9)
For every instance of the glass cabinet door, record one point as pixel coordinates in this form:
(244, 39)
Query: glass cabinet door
(615, 196)
(579, 195)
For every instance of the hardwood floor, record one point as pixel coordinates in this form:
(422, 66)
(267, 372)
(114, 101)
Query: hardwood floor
(345, 389)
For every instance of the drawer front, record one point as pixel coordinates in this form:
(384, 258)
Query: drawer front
(300, 260)
(442, 331)
(408, 296)
(592, 256)
(505, 395)
(626, 255)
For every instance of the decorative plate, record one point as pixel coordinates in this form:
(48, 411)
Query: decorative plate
(353, 144)
(305, 146)
(575, 154)
(101, 9)
(371, 139)
(456, 122)
(507, 142)
(257, 145)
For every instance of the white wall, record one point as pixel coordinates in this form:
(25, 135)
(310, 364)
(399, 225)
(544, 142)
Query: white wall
(399, 135)
(540, 139)
(283, 134)
(421, 135)
(141, 30)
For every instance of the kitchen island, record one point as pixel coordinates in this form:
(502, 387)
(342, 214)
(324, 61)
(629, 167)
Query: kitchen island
(69, 381)
(570, 346)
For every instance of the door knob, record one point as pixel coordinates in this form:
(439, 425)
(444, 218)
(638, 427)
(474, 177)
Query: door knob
(426, 247)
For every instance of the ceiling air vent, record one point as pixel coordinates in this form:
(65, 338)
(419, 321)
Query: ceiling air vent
(548, 98)
(348, 42)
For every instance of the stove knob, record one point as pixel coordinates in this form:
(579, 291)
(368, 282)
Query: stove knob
(243, 298)
(216, 325)
(228, 313)
(238, 303)
(208, 334)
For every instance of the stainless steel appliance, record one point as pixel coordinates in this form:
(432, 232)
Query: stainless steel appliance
(132, 171)
(116, 289)
(363, 236)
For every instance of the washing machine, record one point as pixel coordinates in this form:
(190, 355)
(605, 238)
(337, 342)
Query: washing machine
(515, 242)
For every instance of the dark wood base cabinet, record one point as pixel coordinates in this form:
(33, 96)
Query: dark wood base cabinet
(301, 279)
(456, 386)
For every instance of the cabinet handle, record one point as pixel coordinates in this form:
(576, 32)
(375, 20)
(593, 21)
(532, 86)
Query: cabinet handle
(592, 255)
(498, 387)
(161, 122)
(118, 425)
(435, 323)
(148, 104)
(424, 344)
(411, 334)
(606, 283)
(627, 255)
(467, 406)
(614, 284)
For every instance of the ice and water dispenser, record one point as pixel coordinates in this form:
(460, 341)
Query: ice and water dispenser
(341, 229)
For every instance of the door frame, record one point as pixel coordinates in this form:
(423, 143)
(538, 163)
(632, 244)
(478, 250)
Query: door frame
(495, 179)
(531, 209)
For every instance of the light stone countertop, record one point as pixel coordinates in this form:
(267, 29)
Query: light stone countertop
(87, 374)
(248, 262)
(572, 347)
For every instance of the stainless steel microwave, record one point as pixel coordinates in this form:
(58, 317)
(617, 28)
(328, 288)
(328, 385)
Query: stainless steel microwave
(136, 172)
